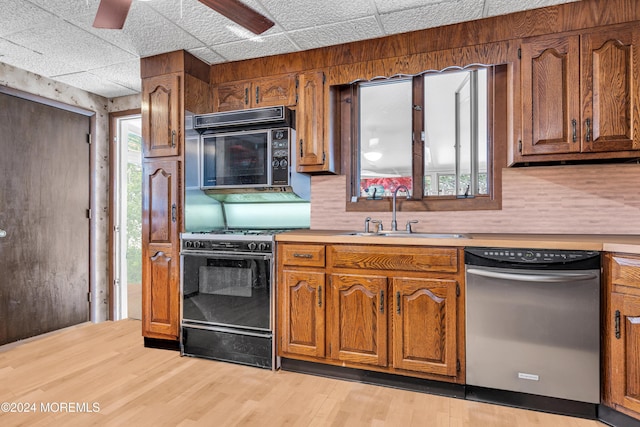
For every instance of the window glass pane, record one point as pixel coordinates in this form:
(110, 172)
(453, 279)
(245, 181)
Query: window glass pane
(385, 137)
(455, 139)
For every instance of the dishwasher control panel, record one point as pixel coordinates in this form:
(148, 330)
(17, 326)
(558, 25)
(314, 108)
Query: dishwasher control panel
(525, 256)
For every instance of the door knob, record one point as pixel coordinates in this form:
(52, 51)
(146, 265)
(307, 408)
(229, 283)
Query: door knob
(3, 233)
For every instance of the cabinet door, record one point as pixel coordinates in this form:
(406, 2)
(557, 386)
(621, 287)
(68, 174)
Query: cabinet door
(424, 325)
(310, 150)
(302, 313)
(550, 95)
(625, 351)
(610, 72)
(161, 116)
(232, 96)
(271, 91)
(160, 249)
(359, 319)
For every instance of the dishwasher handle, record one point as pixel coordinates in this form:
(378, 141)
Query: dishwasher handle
(533, 277)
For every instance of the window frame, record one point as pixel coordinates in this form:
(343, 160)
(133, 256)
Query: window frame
(497, 129)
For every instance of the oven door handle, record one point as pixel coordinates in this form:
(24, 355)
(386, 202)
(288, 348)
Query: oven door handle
(227, 255)
(533, 277)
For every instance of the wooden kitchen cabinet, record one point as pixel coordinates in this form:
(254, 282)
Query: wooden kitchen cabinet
(359, 318)
(622, 325)
(161, 115)
(425, 325)
(394, 309)
(579, 100)
(301, 300)
(264, 92)
(172, 83)
(160, 249)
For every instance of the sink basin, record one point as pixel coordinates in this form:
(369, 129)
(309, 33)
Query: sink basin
(414, 235)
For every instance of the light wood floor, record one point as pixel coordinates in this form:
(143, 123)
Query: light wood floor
(106, 364)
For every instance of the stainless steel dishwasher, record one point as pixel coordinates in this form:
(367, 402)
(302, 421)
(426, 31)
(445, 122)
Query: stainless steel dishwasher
(533, 322)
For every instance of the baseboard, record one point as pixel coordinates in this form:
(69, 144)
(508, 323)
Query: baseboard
(162, 344)
(615, 418)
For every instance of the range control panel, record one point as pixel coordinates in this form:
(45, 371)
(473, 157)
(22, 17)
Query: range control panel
(532, 256)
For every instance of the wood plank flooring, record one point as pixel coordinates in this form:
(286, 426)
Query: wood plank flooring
(105, 368)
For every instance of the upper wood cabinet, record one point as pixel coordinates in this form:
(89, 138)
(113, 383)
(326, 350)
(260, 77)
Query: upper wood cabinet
(316, 150)
(579, 99)
(161, 115)
(264, 92)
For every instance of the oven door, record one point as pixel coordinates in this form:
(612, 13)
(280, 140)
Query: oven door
(227, 289)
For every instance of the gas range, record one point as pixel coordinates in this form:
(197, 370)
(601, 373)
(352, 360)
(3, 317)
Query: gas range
(259, 241)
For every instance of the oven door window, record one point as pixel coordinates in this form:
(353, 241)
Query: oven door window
(227, 291)
(236, 159)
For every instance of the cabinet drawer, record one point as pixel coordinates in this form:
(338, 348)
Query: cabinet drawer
(303, 255)
(395, 258)
(625, 270)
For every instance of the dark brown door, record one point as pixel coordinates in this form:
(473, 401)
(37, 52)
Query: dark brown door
(44, 196)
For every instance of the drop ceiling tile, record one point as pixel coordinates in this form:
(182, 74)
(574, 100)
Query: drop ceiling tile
(68, 44)
(125, 74)
(18, 15)
(207, 55)
(66, 8)
(30, 60)
(502, 7)
(294, 15)
(343, 32)
(95, 84)
(388, 6)
(254, 48)
(431, 16)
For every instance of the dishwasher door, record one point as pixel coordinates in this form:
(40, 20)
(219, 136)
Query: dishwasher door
(534, 331)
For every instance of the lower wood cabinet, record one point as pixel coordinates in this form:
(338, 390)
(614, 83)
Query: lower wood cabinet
(391, 309)
(622, 333)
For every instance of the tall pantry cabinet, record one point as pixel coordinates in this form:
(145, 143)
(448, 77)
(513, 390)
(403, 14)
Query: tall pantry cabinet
(171, 83)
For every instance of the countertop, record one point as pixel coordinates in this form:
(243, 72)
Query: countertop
(593, 242)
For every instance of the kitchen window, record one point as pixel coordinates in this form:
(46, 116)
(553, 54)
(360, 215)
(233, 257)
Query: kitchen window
(441, 134)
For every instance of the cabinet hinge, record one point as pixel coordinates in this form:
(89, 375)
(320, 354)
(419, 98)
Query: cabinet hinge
(324, 157)
(520, 146)
(519, 53)
(457, 290)
(89, 138)
(89, 296)
(617, 324)
(324, 78)
(89, 213)
(457, 365)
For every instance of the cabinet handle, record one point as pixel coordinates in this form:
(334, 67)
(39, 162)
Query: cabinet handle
(173, 213)
(617, 323)
(398, 302)
(257, 95)
(588, 130)
(381, 301)
(246, 96)
(319, 296)
(302, 256)
(301, 143)
(173, 139)
(573, 128)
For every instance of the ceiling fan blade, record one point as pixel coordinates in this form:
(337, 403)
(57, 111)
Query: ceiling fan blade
(112, 14)
(241, 14)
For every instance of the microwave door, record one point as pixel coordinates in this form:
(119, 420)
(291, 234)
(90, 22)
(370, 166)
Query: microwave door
(236, 160)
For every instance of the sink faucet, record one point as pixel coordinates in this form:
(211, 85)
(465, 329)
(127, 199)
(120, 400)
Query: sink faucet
(394, 223)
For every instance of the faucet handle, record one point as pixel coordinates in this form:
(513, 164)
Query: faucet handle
(367, 220)
(378, 225)
(412, 221)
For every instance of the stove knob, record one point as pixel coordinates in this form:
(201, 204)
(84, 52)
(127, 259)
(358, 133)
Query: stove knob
(252, 246)
(262, 246)
(197, 245)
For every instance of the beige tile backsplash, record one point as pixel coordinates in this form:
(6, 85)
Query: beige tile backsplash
(568, 199)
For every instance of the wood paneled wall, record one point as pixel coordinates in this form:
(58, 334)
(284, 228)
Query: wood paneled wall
(575, 199)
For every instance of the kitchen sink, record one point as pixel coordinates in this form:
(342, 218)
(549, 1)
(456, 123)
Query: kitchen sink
(414, 235)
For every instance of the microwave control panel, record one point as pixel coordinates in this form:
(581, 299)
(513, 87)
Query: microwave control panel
(280, 156)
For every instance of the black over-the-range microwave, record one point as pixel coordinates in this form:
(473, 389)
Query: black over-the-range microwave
(245, 148)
